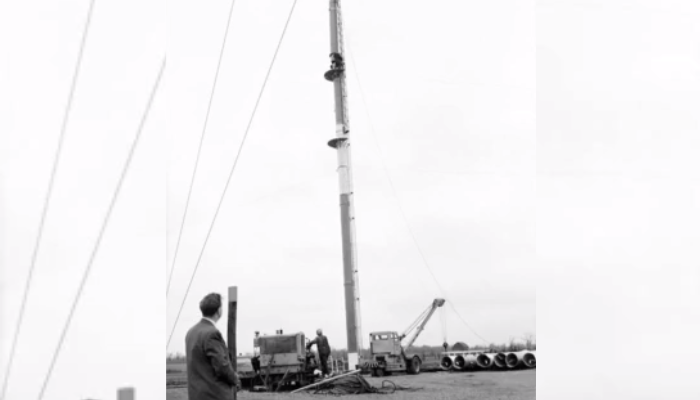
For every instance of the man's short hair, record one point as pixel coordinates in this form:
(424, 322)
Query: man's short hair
(210, 304)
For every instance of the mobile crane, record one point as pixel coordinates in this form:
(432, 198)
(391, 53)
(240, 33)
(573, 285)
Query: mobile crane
(387, 355)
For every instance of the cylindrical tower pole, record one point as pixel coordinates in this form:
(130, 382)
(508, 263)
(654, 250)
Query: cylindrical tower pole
(341, 143)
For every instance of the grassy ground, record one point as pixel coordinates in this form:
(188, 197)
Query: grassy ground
(510, 385)
(176, 374)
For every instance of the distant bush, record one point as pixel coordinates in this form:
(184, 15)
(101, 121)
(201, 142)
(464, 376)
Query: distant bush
(527, 343)
(175, 358)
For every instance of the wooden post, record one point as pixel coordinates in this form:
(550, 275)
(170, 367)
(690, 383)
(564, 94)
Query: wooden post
(232, 319)
(126, 394)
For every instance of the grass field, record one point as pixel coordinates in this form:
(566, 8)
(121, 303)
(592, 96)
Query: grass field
(507, 385)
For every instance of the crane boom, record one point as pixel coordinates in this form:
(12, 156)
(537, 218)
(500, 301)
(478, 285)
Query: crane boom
(388, 355)
(436, 304)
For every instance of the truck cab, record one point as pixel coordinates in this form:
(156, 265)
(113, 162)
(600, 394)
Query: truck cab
(387, 355)
(282, 361)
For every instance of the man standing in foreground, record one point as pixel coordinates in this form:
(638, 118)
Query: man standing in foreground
(324, 350)
(210, 375)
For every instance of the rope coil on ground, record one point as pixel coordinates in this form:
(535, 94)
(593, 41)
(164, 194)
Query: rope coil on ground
(356, 384)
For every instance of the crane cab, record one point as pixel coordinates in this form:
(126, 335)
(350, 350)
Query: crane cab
(385, 343)
(387, 355)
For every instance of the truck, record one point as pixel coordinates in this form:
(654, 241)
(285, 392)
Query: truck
(280, 361)
(388, 355)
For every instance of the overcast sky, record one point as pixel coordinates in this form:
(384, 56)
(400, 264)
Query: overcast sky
(450, 92)
(120, 316)
(594, 214)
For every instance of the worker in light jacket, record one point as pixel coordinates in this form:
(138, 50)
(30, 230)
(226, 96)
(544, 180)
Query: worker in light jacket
(324, 350)
(210, 374)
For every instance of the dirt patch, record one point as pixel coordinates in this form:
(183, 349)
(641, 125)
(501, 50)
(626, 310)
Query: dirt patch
(511, 385)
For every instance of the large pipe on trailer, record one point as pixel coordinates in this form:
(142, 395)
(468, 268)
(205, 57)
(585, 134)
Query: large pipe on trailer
(515, 360)
(530, 359)
(465, 362)
(447, 362)
(485, 360)
(459, 362)
(499, 361)
(470, 361)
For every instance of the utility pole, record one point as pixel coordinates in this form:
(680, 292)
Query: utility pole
(126, 394)
(341, 143)
(231, 336)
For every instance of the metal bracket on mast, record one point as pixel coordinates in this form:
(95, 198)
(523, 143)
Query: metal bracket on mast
(334, 143)
(337, 67)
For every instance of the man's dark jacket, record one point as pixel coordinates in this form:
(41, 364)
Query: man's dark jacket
(322, 345)
(210, 375)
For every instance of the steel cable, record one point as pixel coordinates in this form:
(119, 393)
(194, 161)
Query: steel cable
(228, 180)
(47, 200)
(103, 228)
(199, 149)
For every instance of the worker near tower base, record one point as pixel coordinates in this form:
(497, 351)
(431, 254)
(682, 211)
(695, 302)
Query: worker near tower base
(210, 374)
(324, 350)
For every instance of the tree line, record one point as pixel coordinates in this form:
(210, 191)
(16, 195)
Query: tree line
(426, 351)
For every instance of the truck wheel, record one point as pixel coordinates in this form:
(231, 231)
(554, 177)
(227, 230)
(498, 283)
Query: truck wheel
(414, 366)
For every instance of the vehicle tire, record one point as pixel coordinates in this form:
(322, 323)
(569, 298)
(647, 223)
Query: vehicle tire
(414, 366)
(380, 372)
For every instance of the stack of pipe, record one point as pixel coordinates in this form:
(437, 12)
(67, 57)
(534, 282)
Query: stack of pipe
(521, 359)
(472, 361)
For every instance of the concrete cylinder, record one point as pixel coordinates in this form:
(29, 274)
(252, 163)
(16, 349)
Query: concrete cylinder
(459, 362)
(466, 361)
(530, 359)
(447, 362)
(515, 360)
(499, 361)
(486, 360)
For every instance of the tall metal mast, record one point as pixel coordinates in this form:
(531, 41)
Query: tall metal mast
(347, 213)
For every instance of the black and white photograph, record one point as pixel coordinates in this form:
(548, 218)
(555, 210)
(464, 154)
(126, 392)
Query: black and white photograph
(362, 176)
(300, 199)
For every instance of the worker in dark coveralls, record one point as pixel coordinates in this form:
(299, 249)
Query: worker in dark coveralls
(324, 350)
(210, 374)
